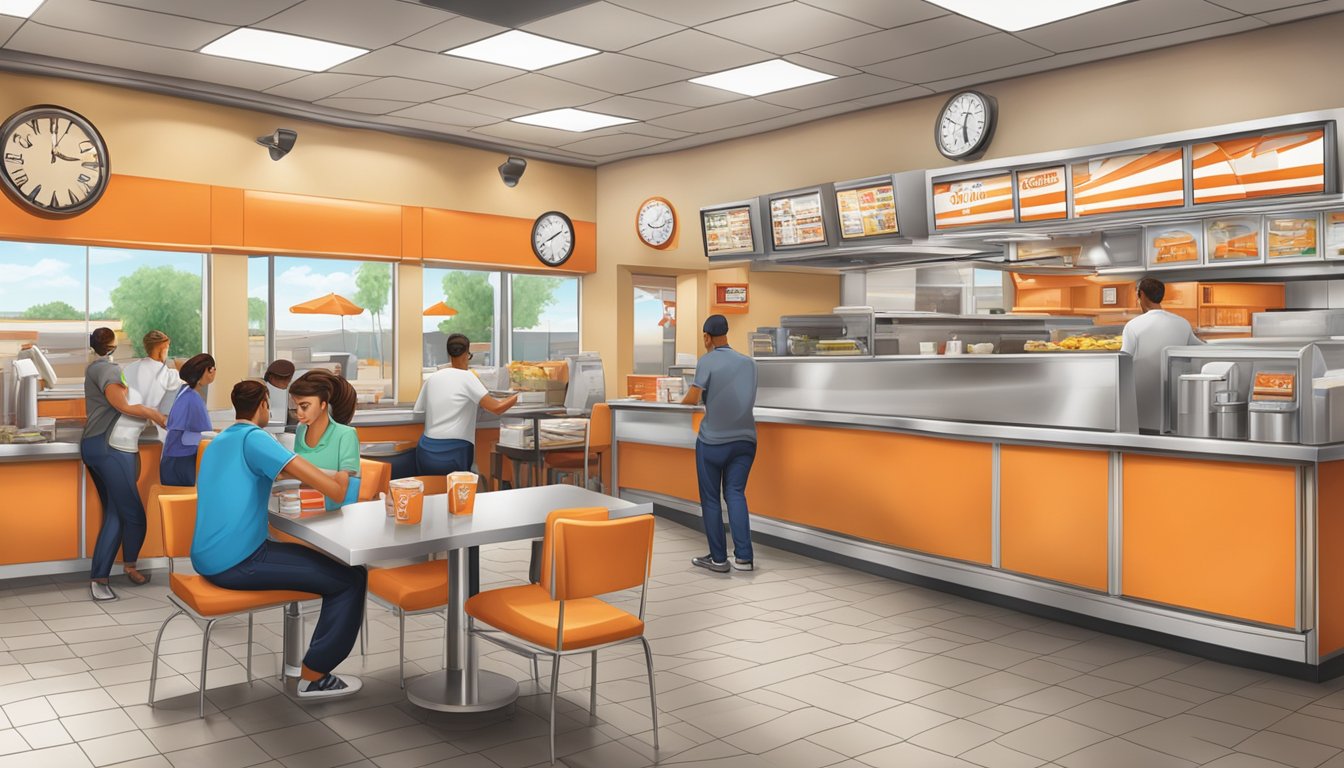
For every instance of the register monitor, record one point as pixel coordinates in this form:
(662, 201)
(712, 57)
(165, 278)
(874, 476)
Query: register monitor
(586, 384)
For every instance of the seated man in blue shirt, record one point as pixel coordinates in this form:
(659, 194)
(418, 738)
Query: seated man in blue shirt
(230, 548)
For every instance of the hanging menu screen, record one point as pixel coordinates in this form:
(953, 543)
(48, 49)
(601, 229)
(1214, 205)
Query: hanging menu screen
(796, 220)
(1261, 165)
(728, 231)
(867, 211)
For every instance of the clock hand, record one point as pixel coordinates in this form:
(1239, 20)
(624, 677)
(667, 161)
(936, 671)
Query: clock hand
(552, 237)
(64, 157)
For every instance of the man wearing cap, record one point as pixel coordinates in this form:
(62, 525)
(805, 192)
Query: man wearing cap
(726, 446)
(278, 377)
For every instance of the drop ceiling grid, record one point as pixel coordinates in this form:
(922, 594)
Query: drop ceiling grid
(880, 52)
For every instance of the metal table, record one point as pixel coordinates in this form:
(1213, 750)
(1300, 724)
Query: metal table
(534, 456)
(362, 533)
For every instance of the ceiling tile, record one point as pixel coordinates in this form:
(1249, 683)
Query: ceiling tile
(481, 105)
(1258, 6)
(603, 26)
(820, 65)
(722, 116)
(694, 50)
(396, 61)
(979, 55)
(1127, 21)
(438, 129)
(129, 24)
(319, 85)
(637, 109)
(881, 13)
(8, 25)
(235, 12)
(903, 41)
(451, 34)
(649, 129)
(788, 28)
(694, 12)
(366, 106)
(891, 97)
(400, 89)
(617, 73)
(1302, 11)
(547, 137)
(688, 94)
(610, 145)
(540, 92)
(365, 23)
(137, 57)
(438, 113)
(832, 91)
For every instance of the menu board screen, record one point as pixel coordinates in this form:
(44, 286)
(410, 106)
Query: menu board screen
(972, 202)
(1133, 182)
(728, 230)
(867, 211)
(1264, 165)
(1291, 236)
(1041, 194)
(796, 220)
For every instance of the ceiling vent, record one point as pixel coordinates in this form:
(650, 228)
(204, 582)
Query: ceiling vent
(506, 13)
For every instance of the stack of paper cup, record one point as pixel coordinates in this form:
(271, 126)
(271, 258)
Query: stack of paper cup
(462, 492)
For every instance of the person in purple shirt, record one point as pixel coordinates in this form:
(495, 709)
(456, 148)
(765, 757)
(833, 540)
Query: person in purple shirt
(186, 421)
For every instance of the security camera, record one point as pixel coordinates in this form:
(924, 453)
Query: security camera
(511, 170)
(279, 143)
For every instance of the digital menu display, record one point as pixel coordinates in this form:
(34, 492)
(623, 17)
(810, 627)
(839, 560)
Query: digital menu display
(728, 231)
(1262, 165)
(1041, 194)
(867, 211)
(973, 202)
(1290, 237)
(1133, 182)
(796, 220)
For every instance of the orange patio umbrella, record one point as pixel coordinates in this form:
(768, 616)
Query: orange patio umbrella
(440, 309)
(331, 304)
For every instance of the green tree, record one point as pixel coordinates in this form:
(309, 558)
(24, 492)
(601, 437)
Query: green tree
(373, 283)
(532, 294)
(52, 310)
(256, 315)
(471, 294)
(165, 298)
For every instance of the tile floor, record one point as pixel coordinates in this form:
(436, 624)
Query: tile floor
(799, 665)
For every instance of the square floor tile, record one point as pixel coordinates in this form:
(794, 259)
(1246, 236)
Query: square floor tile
(1051, 738)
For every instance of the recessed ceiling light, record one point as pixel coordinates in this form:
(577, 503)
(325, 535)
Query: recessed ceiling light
(21, 8)
(766, 77)
(522, 50)
(282, 50)
(1015, 16)
(572, 120)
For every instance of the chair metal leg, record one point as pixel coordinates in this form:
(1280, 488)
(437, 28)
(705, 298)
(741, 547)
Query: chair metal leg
(249, 649)
(154, 665)
(364, 632)
(592, 690)
(653, 695)
(401, 646)
(536, 669)
(555, 687)
(205, 653)
(471, 627)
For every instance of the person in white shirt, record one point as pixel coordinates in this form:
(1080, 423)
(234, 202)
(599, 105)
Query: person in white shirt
(151, 379)
(1144, 338)
(448, 399)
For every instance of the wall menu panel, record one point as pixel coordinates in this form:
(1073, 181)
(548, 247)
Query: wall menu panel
(867, 211)
(973, 202)
(1262, 165)
(1041, 194)
(797, 220)
(1131, 182)
(728, 231)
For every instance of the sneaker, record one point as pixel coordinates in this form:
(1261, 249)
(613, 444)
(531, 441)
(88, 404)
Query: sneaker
(742, 565)
(330, 686)
(101, 592)
(708, 562)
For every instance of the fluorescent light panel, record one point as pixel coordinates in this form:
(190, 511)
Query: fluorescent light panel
(576, 120)
(21, 8)
(1013, 16)
(281, 50)
(522, 50)
(766, 77)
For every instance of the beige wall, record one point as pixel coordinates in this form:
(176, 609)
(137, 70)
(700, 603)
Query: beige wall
(1279, 70)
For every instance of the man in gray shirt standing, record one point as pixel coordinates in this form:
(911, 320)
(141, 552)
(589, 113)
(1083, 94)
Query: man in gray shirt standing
(726, 446)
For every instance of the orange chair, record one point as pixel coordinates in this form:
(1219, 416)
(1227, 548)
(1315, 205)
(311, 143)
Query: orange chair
(198, 598)
(585, 555)
(596, 443)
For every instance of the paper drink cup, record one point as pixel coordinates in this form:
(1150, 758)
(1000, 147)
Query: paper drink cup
(408, 500)
(462, 492)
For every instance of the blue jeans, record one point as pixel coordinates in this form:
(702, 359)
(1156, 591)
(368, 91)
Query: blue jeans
(114, 475)
(439, 457)
(177, 470)
(281, 565)
(725, 468)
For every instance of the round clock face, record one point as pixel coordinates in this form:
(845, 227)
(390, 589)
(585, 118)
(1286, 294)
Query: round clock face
(55, 162)
(553, 238)
(655, 222)
(965, 125)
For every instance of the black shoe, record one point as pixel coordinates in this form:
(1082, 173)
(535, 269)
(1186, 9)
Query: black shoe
(330, 686)
(708, 562)
(742, 565)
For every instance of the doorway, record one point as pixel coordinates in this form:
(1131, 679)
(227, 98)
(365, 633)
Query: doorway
(655, 321)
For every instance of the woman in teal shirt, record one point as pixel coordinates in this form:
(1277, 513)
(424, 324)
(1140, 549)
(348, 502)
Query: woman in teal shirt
(322, 402)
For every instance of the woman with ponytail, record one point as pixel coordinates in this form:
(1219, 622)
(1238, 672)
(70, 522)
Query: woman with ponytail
(323, 403)
(186, 421)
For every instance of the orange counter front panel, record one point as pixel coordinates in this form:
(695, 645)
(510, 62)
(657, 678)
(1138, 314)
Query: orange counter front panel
(1053, 508)
(661, 469)
(1212, 536)
(40, 515)
(149, 476)
(1329, 564)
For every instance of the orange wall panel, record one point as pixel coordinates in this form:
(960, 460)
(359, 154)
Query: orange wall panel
(390, 433)
(299, 223)
(226, 217)
(72, 408)
(499, 241)
(1053, 508)
(133, 211)
(1329, 564)
(412, 233)
(40, 515)
(1211, 536)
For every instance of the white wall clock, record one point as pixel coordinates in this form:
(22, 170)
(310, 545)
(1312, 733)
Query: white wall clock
(965, 125)
(553, 238)
(54, 161)
(656, 222)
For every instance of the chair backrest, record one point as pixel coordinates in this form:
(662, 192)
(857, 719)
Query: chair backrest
(434, 484)
(548, 542)
(595, 557)
(178, 515)
(372, 478)
(599, 427)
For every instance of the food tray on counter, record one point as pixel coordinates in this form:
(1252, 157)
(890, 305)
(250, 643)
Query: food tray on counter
(1077, 344)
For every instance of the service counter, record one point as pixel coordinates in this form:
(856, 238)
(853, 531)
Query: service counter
(1225, 543)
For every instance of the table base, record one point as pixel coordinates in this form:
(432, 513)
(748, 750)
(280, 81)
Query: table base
(446, 691)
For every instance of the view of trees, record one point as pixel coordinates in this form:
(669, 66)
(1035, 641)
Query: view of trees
(256, 316)
(373, 284)
(471, 294)
(52, 310)
(165, 298)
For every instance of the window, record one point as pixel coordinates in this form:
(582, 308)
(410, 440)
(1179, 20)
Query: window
(473, 298)
(258, 315)
(42, 301)
(134, 292)
(989, 293)
(336, 311)
(655, 329)
(544, 317)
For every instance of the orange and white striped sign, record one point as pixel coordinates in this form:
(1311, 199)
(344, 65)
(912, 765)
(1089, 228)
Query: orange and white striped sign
(1040, 194)
(1267, 165)
(972, 202)
(1129, 182)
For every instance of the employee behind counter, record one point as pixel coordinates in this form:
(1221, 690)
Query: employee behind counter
(1145, 337)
